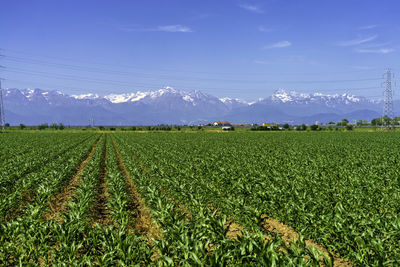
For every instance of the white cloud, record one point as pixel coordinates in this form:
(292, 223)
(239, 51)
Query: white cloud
(358, 41)
(368, 27)
(376, 51)
(251, 8)
(280, 44)
(264, 29)
(166, 28)
(174, 28)
(376, 45)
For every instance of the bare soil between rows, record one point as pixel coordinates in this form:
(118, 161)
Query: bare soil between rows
(58, 203)
(144, 222)
(271, 225)
(288, 234)
(100, 212)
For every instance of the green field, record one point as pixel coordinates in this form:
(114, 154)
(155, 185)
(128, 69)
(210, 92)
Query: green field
(200, 198)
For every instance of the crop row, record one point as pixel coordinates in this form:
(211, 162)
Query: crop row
(333, 188)
(204, 199)
(200, 234)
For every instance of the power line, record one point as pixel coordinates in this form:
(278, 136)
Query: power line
(182, 71)
(211, 80)
(109, 82)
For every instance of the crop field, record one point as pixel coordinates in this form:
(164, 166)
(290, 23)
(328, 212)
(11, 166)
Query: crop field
(201, 198)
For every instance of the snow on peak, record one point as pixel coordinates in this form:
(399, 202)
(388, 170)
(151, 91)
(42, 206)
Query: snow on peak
(86, 96)
(284, 96)
(188, 98)
(122, 98)
(228, 100)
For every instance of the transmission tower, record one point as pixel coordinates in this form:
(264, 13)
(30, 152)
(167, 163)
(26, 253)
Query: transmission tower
(388, 93)
(2, 121)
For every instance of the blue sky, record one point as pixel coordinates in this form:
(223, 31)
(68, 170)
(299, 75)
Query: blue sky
(244, 49)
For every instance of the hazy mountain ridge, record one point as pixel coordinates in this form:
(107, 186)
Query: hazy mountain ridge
(171, 106)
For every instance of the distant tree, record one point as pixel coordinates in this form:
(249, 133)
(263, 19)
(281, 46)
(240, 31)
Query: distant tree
(303, 127)
(376, 121)
(54, 126)
(61, 126)
(101, 128)
(286, 126)
(133, 128)
(43, 126)
(22, 126)
(6, 125)
(381, 121)
(232, 128)
(314, 127)
(386, 120)
(112, 129)
(349, 127)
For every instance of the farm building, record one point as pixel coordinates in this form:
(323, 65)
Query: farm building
(269, 124)
(221, 123)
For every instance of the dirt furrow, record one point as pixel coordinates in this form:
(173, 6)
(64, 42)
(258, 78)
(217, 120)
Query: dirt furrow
(271, 225)
(288, 234)
(143, 222)
(101, 213)
(58, 203)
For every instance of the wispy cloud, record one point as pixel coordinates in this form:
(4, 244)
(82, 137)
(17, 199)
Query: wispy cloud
(376, 51)
(265, 29)
(375, 45)
(368, 27)
(166, 28)
(174, 28)
(251, 8)
(357, 41)
(280, 44)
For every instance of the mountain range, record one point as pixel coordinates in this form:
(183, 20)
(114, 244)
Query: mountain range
(170, 106)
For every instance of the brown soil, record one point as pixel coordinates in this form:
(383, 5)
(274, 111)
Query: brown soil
(288, 234)
(143, 222)
(101, 213)
(234, 230)
(58, 203)
(27, 197)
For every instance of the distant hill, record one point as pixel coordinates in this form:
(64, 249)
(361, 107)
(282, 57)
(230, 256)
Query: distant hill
(170, 106)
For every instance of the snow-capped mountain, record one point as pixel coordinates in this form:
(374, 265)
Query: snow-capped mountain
(193, 97)
(293, 97)
(234, 102)
(171, 106)
(86, 96)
